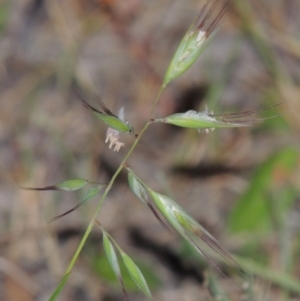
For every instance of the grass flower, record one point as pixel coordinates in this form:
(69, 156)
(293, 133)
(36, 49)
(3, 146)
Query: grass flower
(112, 137)
(117, 123)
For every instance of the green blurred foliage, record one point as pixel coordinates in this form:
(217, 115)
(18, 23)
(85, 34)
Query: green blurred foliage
(252, 211)
(3, 15)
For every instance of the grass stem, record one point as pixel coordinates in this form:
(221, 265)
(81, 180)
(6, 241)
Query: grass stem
(108, 187)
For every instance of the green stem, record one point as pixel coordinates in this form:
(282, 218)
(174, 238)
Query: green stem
(92, 222)
(155, 102)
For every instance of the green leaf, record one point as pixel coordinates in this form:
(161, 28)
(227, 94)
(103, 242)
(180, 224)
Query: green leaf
(252, 211)
(59, 288)
(136, 275)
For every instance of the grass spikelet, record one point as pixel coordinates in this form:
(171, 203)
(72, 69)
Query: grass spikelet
(93, 192)
(69, 185)
(118, 123)
(113, 260)
(133, 270)
(140, 191)
(196, 39)
(136, 275)
(205, 121)
(186, 225)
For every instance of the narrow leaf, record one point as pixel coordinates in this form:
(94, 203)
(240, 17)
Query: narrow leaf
(113, 260)
(136, 275)
(88, 197)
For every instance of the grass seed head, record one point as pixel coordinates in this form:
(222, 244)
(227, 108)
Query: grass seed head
(117, 123)
(197, 38)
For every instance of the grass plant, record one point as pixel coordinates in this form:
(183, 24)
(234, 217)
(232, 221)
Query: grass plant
(166, 210)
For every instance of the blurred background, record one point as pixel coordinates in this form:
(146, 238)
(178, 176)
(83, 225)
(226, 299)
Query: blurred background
(242, 185)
